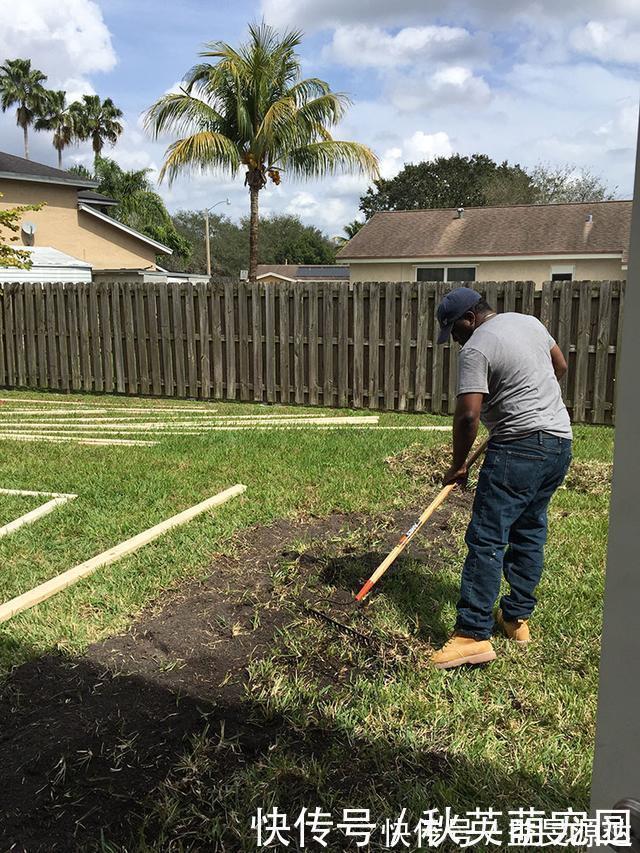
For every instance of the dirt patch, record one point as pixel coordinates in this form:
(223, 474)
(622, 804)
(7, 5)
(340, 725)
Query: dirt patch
(84, 741)
(590, 477)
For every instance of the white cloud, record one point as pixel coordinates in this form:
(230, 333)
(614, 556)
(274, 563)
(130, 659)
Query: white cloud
(366, 46)
(62, 37)
(447, 86)
(414, 149)
(608, 41)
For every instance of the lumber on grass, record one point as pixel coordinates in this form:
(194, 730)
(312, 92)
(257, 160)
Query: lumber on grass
(35, 514)
(51, 587)
(411, 532)
(77, 439)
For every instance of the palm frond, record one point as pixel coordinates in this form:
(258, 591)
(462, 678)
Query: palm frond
(181, 113)
(204, 150)
(328, 158)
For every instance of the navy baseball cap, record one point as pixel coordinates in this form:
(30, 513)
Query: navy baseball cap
(453, 306)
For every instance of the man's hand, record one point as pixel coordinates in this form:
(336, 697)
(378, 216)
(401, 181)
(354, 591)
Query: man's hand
(456, 475)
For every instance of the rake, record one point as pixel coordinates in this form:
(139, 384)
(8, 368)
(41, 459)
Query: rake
(411, 532)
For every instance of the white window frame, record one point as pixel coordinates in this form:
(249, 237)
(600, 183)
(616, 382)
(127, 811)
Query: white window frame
(447, 267)
(562, 269)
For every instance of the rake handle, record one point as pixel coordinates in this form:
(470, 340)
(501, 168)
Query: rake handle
(411, 532)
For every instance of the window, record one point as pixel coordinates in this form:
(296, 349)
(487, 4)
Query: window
(445, 273)
(562, 272)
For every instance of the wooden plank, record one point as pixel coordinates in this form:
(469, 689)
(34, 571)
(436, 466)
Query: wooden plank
(283, 336)
(74, 334)
(256, 339)
(405, 346)
(190, 331)
(437, 370)
(30, 340)
(230, 340)
(42, 379)
(243, 340)
(62, 581)
(94, 331)
(528, 297)
(298, 343)
(374, 344)
(10, 361)
(270, 342)
(546, 304)
(63, 344)
(452, 378)
(622, 288)
(564, 329)
(422, 348)
(343, 344)
(168, 389)
(327, 344)
(107, 335)
(3, 377)
(176, 294)
(358, 345)
(84, 336)
(141, 336)
(602, 354)
(214, 295)
(131, 365)
(312, 345)
(509, 296)
(582, 354)
(116, 323)
(205, 340)
(52, 340)
(21, 355)
(389, 345)
(153, 322)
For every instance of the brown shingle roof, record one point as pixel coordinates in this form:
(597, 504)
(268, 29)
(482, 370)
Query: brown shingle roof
(19, 168)
(547, 229)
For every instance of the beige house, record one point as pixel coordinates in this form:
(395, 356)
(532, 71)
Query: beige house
(74, 220)
(553, 242)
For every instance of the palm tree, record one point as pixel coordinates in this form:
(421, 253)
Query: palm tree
(21, 85)
(251, 109)
(58, 117)
(98, 121)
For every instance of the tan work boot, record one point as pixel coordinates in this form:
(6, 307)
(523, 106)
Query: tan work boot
(460, 650)
(517, 630)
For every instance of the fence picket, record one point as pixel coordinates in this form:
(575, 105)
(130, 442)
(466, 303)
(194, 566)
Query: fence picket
(165, 337)
(243, 340)
(129, 339)
(374, 344)
(343, 344)
(285, 376)
(10, 364)
(312, 345)
(142, 352)
(94, 333)
(84, 336)
(74, 344)
(215, 295)
(405, 346)
(190, 331)
(602, 353)
(358, 345)
(63, 348)
(256, 338)
(422, 348)
(298, 344)
(389, 345)
(327, 343)
(230, 340)
(30, 334)
(203, 292)
(582, 352)
(437, 371)
(153, 321)
(21, 361)
(175, 291)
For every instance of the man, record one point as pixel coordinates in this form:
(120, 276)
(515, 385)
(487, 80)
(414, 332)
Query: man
(508, 372)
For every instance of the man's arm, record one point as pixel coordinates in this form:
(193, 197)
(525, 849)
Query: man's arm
(559, 362)
(465, 430)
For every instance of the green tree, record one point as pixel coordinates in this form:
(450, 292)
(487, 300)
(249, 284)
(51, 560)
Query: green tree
(568, 183)
(350, 230)
(97, 121)
(251, 110)
(139, 206)
(59, 118)
(454, 181)
(10, 220)
(21, 86)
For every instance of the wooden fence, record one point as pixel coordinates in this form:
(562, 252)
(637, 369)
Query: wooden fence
(364, 345)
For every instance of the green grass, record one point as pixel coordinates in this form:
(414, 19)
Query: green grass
(517, 733)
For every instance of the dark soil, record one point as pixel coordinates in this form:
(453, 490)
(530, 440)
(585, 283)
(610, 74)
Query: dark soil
(83, 741)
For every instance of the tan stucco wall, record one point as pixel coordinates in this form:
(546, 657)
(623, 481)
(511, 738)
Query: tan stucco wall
(538, 271)
(61, 225)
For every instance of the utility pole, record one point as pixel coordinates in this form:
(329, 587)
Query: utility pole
(207, 239)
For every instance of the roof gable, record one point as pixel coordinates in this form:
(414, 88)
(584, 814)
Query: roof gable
(19, 169)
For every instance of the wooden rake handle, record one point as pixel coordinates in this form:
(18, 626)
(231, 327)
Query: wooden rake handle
(411, 532)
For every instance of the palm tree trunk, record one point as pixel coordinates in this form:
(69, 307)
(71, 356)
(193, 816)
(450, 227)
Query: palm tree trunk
(253, 234)
(59, 158)
(26, 141)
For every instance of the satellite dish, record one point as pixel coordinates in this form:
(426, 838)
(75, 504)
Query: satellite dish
(29, 228)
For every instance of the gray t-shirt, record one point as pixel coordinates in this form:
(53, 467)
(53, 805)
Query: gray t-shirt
(508, 360)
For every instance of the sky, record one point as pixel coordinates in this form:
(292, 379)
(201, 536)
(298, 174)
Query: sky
(550, 81)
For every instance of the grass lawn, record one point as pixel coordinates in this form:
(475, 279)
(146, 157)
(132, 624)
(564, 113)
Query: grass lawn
(339, 719)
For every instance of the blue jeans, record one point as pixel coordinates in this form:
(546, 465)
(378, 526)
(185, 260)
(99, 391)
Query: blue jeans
(508, 529)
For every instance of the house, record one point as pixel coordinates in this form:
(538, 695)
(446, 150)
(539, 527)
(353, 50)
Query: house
(273, 273)
(74, 220)
(553, 242)
(48, 265)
